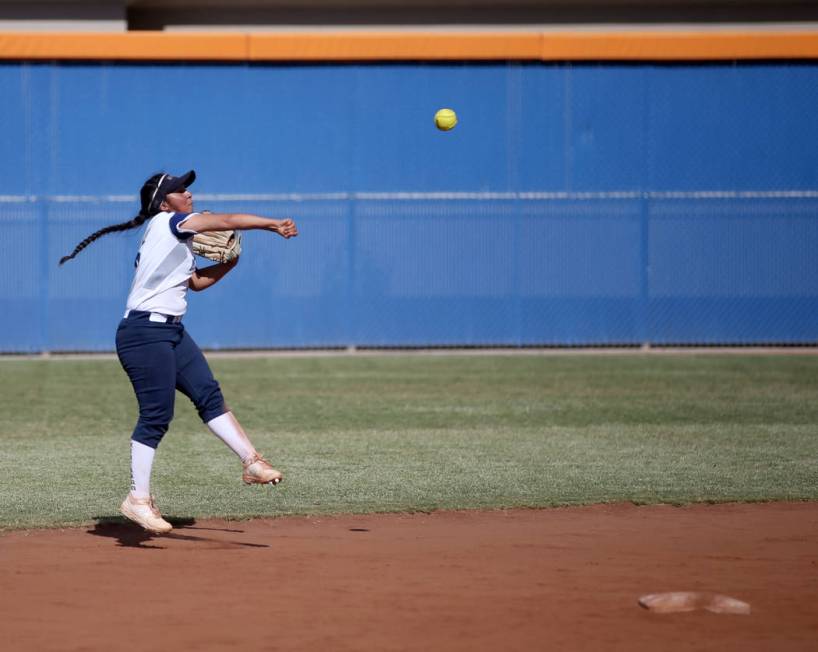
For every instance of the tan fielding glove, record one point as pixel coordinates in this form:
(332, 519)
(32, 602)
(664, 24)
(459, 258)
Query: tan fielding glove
(221, 246)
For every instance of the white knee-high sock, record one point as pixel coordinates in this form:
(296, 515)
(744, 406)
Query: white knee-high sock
(227, 428)
(141, 465)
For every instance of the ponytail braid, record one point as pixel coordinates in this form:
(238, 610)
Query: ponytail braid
(124, 226)
(149, 208)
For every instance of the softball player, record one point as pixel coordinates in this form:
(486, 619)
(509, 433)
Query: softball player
(152, 344)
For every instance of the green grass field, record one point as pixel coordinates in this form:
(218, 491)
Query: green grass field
(416, 432)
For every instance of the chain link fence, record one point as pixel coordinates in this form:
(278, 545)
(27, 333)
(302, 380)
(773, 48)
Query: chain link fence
(414, 271)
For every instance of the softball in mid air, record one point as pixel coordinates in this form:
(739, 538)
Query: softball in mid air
(445, 119)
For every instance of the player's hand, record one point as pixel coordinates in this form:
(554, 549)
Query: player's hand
(285, 228)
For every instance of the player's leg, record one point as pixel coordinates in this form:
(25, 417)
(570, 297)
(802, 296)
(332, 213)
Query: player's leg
(145, 350)
(195, 379)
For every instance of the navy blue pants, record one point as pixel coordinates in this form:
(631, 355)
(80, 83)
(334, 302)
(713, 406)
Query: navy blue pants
(159, 359)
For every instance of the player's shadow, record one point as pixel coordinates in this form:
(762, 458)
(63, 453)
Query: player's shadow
(131, 535)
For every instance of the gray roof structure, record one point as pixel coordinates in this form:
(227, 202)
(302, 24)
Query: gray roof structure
(295, 15)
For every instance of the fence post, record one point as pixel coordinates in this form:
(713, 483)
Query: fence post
(517, 280)
(644, 271)
(351, 318)
(44, 290)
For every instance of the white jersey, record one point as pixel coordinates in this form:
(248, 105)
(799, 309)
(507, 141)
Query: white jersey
(164, 266)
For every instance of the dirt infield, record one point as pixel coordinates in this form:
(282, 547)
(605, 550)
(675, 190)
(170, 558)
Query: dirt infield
(558, 579)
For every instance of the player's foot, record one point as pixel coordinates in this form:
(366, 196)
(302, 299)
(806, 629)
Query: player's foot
(145, 512)
(257, 470)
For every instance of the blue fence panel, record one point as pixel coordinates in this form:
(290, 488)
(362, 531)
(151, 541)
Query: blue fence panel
(574, 204)
(581, 270)
(16, 133)
(22, 290)
(433, 271)
(733, 270)
(725, 127)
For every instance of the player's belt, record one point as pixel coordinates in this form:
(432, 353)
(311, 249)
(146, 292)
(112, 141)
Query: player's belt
(153, 316)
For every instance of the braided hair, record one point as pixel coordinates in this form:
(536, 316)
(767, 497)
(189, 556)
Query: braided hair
(149, 207)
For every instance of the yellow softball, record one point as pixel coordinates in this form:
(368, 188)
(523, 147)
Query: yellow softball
(445, 119)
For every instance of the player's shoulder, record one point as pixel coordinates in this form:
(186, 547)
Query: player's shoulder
(169, 225)
(176, 224)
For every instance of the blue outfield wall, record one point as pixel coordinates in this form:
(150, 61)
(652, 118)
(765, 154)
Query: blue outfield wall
(573, 204)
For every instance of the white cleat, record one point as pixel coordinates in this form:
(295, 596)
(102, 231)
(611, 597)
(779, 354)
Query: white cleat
(257, 470)
(144, 512)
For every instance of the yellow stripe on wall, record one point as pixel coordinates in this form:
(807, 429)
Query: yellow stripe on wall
(405, 46)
